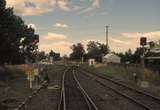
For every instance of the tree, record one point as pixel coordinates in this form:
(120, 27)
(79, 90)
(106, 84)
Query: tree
(96, 50)
(93, 50)
(77, 52)
(137, 55)
(16, 38)
(2, 5)
(103, 49)
(54, 55)
(128, 56)
(51, 53)
(41, 56)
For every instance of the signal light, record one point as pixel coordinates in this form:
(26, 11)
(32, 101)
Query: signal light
(35, 39)
(35, 42)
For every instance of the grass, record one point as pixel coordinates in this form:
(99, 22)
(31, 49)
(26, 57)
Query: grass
(126, 73)
(16, 85)
(121, 71)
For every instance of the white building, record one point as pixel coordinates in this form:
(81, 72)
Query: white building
(111, 58)
(91, 62)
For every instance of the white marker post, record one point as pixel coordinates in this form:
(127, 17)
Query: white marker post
(30, 80)
(36, 74)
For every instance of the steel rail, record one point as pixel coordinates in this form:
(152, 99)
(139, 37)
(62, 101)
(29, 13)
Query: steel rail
(63, 89)
(116, 91)
(28, 99)
(124, 85)
(33, 94)
(124, 95)
(62, 97)
(89, 101)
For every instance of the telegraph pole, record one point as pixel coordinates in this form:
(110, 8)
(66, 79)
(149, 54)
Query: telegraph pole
(107, 43)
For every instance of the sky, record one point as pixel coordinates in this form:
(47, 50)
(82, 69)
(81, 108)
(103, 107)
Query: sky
(62, 23)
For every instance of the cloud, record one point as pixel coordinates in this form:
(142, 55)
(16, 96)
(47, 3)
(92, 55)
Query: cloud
(63, 47)
(119, 43)
(94, 5)
(31, 7)
(61, 25)
(127, 40)
(149, 35)
(131, 40)
(38, 7)
(54, 36)
(56, 42)
(63, 5)
(77, 8)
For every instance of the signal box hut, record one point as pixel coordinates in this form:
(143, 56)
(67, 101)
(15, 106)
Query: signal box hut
(111, 58)
(91, 62)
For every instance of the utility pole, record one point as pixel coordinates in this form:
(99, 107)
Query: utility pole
(107, 27)
(107, 43)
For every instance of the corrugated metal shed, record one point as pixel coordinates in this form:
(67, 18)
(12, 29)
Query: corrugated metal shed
(111, 58)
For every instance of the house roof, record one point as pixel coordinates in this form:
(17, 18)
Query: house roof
(111, 55)
(155, 50)
(152, 54)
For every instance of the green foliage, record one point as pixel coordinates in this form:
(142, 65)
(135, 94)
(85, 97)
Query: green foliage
(121, 71)
(2, 5)
(93, 49)
(16, 38)
(41, 56)
(96, 50)
(130, 57)
(135, 57)
(78, 52)
(54, 55)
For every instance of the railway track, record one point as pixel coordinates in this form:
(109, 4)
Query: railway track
(23, 104)
(143, 99)
(28, 101)
(73, 96)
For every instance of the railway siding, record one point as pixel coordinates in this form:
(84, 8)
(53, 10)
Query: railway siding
(144, 99)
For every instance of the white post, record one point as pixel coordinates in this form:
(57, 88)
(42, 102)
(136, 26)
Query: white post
(82, 60)
(30, 81)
